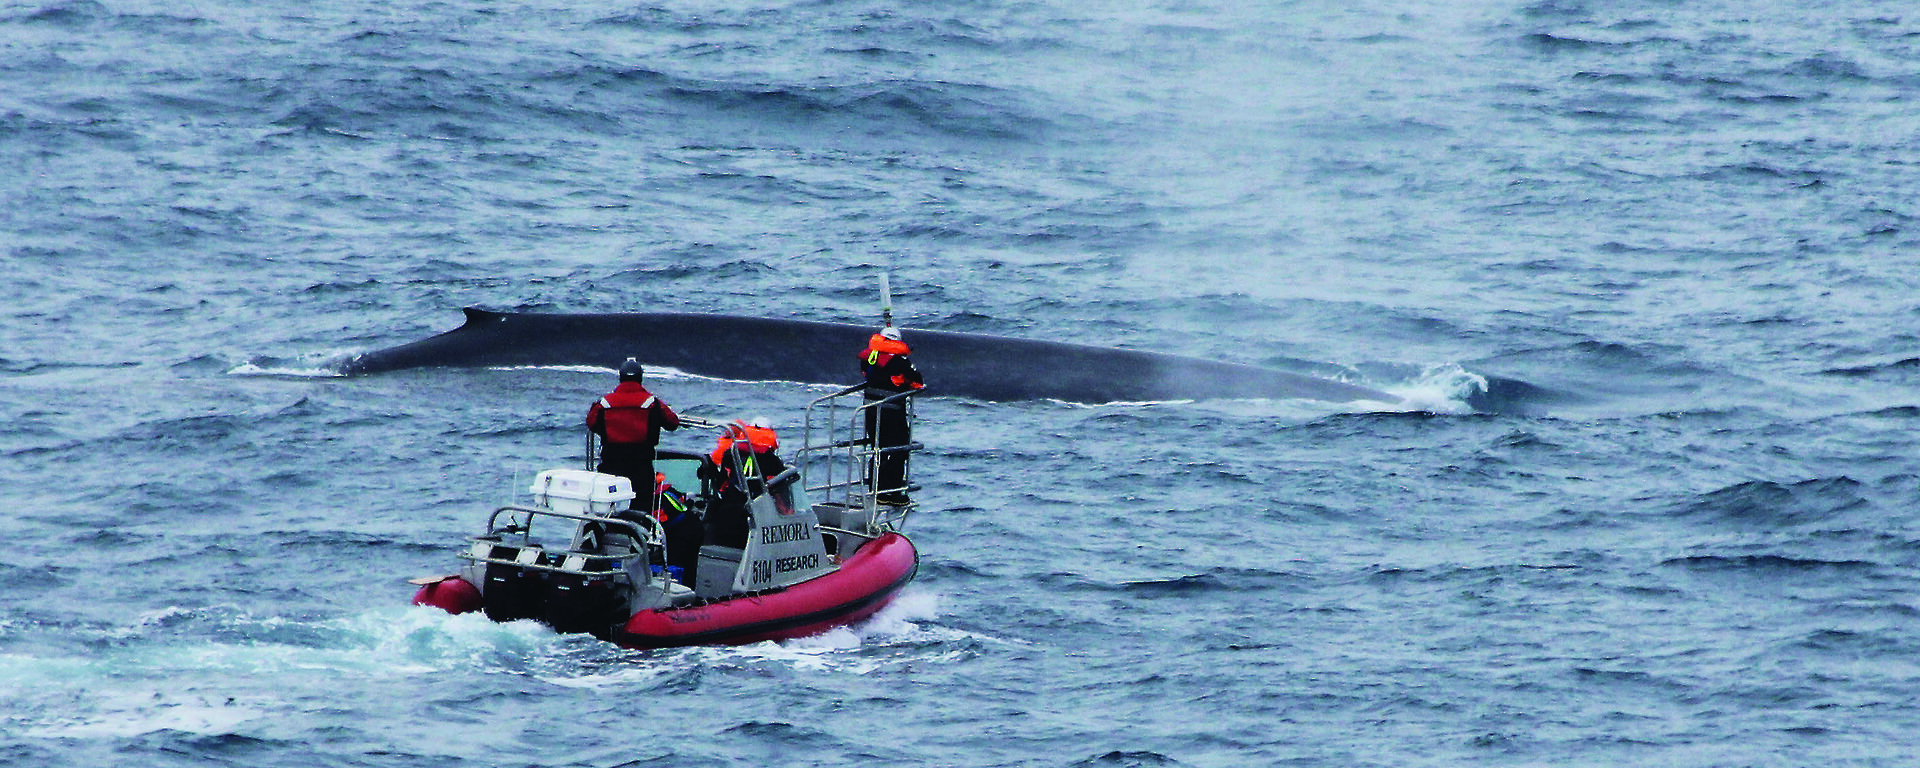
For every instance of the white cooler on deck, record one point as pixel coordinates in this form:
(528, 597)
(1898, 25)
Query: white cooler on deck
(580, 492)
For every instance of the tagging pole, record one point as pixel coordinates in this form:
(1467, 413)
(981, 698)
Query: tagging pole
(886, 300)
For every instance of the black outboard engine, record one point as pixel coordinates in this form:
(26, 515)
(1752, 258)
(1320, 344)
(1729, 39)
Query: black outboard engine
(511, 592)
(581, 603)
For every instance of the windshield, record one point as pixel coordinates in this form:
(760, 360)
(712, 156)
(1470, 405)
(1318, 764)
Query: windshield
(682, 473)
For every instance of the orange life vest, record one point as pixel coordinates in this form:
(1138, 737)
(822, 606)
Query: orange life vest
(881, 351)
(759, 440)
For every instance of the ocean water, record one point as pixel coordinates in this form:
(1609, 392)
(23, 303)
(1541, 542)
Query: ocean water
(1675, 239)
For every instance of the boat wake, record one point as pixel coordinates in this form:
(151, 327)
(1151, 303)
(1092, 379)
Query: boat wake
(903, 620)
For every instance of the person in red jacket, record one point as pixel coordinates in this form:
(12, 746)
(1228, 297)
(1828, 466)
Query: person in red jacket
(628, 421)
(889, 372)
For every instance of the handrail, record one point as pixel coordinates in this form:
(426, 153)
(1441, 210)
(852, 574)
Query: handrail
(840, 462)
(559, 568)
(593, 440)
(655, 533)
(848, 391)
(859, 534)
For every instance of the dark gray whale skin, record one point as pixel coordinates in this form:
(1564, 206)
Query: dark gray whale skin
(971, 365)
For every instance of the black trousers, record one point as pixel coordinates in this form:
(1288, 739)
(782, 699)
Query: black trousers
(634, 462)
(887, 427)
(727, 523)
(685, 534)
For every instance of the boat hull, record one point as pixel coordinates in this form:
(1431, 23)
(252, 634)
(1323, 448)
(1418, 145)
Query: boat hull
(860, 587)
(451, 594)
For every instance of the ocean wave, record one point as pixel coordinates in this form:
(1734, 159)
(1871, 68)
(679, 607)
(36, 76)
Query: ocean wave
(1178, 586)
(1126, 759)
(1759, 171)
(1857, 642)
(1768, 563)
(1225, 580)
(776, 736)
(1825, 67)
(19, 367)
(1449, 573)
(1902, 369)
(1549, 42)
(187, 432)
(868, 107)
(1768, 504)
(15, 577)
(1559, 10)
(70, 14)
(186, 722)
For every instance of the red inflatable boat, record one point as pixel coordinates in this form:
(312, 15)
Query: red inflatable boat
(860, 587)
(764, 565)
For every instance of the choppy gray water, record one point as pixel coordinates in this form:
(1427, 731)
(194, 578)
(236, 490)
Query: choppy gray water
(1678, 238)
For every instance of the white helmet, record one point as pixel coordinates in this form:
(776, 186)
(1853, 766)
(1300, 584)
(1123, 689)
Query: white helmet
(890, 332)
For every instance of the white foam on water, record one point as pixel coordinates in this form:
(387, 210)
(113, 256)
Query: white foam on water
(251, 369)
(323, 364)
(124, 714)
(1442, 388)
(152, 679)
(421, 640)
(667, 373)
(898, 619)
(592, 369)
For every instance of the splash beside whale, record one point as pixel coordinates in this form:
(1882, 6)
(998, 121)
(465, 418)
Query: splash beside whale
(992, 368)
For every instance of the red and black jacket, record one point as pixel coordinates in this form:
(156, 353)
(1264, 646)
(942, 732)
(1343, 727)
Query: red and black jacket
(631, 415)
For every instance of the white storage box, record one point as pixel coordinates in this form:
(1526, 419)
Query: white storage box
(580, 492)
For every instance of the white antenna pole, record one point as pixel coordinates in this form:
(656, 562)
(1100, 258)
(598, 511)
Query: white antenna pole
(886, 300)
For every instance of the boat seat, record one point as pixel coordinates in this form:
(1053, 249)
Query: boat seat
(717, 568)
(715, 551)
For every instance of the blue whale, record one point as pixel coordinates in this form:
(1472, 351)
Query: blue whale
(979, 366)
